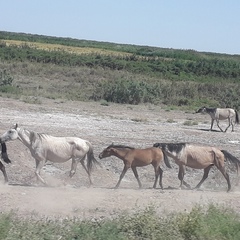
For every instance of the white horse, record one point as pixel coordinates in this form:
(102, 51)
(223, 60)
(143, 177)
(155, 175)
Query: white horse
(221, 114)
(44, 147)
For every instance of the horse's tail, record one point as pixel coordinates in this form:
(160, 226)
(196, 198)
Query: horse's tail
(237, 118)
(166, 160)
(232, 159)
(91, 160)
(4, 153)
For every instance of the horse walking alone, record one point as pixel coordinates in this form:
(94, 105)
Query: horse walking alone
(6, 160)
(221, 114)
(198, 157)
(44, 147)
(133, 158)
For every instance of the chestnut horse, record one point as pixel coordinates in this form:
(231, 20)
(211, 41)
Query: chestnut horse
(133, 158)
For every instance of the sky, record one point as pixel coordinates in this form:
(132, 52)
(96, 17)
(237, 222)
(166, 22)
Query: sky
(206, 25)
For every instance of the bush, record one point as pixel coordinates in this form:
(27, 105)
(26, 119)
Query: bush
(5, 78)
(202, 222)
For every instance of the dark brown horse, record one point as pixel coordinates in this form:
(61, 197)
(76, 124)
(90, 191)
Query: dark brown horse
(133, 158)
(5, 159)
(198, 157)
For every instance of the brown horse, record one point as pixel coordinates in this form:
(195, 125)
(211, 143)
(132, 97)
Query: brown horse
(133, 158)
(5, 159)
(198, 157)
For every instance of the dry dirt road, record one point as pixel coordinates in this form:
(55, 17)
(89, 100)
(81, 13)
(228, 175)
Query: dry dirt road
(137, 126)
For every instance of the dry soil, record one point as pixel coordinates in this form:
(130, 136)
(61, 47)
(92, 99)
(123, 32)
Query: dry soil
(138, 126)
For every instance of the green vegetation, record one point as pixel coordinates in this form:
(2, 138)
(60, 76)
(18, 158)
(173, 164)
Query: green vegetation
(119, 73)
(211, 222)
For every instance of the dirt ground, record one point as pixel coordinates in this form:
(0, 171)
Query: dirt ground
(137, 126)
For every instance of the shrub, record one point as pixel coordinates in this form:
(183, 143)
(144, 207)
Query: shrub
(5, 78)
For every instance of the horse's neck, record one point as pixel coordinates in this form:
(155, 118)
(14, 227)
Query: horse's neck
(120, 153)
(211, 111)
(24, 136)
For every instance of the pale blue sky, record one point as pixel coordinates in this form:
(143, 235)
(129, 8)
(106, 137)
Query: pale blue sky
(206, 25)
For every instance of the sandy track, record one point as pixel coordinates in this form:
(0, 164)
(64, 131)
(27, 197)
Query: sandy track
(138, 126)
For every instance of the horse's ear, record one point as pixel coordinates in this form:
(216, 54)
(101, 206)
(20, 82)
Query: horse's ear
(16, 126)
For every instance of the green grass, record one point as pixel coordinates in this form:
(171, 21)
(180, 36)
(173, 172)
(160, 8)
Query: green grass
(209, 222)
(80, 70)
(190, 123)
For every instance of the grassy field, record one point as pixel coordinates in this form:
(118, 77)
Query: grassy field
(89, 70)
(212, 223)
(64, 48)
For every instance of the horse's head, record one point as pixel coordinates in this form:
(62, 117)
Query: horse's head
(160, 145)
(11, 134)
(107, 152)
(201, 110)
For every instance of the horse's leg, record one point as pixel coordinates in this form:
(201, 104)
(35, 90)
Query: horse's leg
(181, 174)
(219, 126)
(88, 173)
(156, 170)
(205, 175)
(219, 163)
(39, 166)
(225, 174)
(160, 179)
(232, 123)
(158, 173)
(2, 168)
(211, 124)
(134, 169)
(73, 167)
(229, 123)
(126, 167)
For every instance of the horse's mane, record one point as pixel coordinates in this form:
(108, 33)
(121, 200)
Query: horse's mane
(119, 146)
(172, 147)
(35, 135)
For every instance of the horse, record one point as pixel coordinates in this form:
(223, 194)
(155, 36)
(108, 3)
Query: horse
(133, 158)
(44, 147)
(198, 157)
(221, 114)
(5, 158)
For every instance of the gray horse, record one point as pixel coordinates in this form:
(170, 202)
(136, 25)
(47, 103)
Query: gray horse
(221, 114)
(44, 147)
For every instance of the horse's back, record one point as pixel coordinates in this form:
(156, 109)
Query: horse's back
(59, 149)
(151, 151)
(200, 157)
(52, 140)
(143, 157)
(201, 149)
(224, 113)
